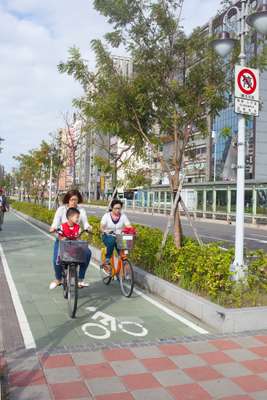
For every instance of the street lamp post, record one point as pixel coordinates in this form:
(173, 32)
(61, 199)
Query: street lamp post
(223, 46)
(215, 154)
(50, 183)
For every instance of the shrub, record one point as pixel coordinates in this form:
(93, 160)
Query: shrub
(203, 270)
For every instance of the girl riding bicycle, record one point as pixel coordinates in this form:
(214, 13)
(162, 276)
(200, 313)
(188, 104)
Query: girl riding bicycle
(112, 223)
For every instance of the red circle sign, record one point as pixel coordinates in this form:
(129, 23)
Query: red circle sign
(247, 81)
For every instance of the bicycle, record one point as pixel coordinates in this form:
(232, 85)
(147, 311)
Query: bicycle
(123, 271)
(72, 253)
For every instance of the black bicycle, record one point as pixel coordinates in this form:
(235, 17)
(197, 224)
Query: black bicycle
(72, 253)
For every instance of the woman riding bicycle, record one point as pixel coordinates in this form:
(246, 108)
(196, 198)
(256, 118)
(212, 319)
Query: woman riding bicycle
(113, 223)
(72, 199)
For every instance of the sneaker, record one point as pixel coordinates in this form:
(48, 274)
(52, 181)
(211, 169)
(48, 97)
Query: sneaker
(82, 284)
(55, 284)
(107, 268)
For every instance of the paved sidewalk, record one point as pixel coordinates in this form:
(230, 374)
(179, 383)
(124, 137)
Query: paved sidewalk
(224, 369)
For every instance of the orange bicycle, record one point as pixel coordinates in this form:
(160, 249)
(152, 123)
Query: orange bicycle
(122, 269)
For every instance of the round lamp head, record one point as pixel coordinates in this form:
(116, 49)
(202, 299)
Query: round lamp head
(224, 45)
(258, 21)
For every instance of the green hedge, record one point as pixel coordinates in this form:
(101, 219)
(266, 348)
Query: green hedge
(202, 270)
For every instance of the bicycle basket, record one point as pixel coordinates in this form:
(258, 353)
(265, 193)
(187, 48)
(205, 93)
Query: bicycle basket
(125, 241)
(73, 251)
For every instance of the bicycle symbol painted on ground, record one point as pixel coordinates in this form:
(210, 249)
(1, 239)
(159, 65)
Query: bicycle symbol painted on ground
(107, 324)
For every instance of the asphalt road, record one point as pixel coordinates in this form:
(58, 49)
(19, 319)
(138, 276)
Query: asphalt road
(40, 316)
(255, 238)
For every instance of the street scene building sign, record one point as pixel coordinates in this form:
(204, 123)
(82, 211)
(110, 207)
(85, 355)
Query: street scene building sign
(246, 91)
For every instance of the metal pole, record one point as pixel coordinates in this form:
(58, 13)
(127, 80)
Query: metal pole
(50, 184)
(215, 157)
(238, 265)
(90, 168)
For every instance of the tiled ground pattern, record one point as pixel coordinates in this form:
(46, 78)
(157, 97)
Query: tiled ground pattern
(223, 369)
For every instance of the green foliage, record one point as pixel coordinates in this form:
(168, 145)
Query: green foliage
(201, 270)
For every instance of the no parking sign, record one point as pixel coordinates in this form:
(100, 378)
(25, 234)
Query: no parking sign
(246, 91)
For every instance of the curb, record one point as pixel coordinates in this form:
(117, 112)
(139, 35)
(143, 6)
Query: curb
(223, 320)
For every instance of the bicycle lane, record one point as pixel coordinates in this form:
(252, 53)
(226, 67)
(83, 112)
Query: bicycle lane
(102, 311)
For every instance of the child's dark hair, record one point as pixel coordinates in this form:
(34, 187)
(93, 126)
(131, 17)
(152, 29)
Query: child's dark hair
(72, 211)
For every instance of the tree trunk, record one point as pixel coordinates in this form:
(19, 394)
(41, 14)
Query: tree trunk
(177, 228)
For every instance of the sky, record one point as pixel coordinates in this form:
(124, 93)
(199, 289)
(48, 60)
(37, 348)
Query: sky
(35, 36)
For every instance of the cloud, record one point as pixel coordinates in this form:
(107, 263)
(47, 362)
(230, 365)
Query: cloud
(35, 36)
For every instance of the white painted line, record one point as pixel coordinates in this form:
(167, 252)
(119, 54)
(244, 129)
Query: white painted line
(141, 294)
(36, 227)
(166, 310)
(28, 339)
(256, 240)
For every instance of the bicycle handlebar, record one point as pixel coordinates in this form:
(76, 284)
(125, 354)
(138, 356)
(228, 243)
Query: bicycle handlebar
(60, 232)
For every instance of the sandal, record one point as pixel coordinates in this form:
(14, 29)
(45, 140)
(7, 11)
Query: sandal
(82, 284)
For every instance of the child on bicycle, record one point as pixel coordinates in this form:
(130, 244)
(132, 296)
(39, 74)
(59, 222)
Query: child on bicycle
(71, 229)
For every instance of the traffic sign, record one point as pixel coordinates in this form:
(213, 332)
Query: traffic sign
(247, 107)
(247, 83)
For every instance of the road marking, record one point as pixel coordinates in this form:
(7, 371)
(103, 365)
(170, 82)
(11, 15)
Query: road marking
(166, 309)
(27, 335)
(139, 293)
(36, 227)
(256, 240)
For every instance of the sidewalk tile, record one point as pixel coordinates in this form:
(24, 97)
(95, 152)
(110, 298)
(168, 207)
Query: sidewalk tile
(60, 375)
(70, 390)
(217, 357)
(152, 394)
(256, 366)
(122, 368)
(172, 378)
(27, 378)
(259, 395)
(88, 358)
(231, 370)
(115, 396)
(188, 361)
(222, 387)
(248, 341)
(102, 370)
(190, 391)
(105, 386)
(237, 397)
(202, 373)
(22, 364)
(140, 381)
(148, 352)
(262, 339)
(241, 354)
(57, 361)
(118, 355)
(159, 364)
(40, 392)
(224, 344)
(201, 347)
(174, 349)
(251, 383)
(260, 351)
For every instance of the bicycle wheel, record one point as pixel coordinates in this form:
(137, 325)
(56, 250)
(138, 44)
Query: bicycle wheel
(72, 290)
(65, 283)
(105, 276)
(126, 277)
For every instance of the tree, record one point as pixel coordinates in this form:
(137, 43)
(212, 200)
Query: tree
(177, 82)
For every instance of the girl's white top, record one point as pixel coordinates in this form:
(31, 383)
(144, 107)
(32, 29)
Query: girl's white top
(60, 217)
(110, 226)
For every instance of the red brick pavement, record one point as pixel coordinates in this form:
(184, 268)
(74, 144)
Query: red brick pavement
(225, 369)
